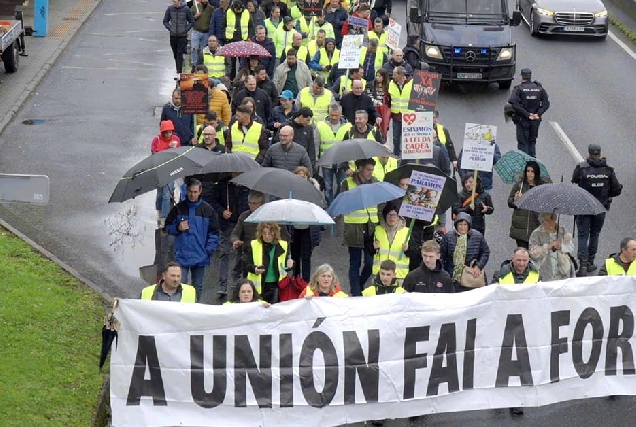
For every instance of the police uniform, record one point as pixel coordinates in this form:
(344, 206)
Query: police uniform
(528, 98)
(599, 179)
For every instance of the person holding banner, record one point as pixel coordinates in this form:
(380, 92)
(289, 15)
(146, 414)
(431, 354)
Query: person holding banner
(323, 283)
(464, 249)
(170, 287)
(622, 263)
(390, 241)
(266, 262)
(245, 293)
(429, 277)
(551, 248)
(384, 282)
(524, 222)
(475, 201)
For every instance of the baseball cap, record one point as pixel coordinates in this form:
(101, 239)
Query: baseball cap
(286, 94)
(287, 19)
(594, 149)
(526, 72)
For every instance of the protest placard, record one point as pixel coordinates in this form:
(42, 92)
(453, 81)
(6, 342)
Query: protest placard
(194, 93)
(333, 361)
(417, 135)
(350, 51)
(479, 147)
(393, 37)
(425, 91)
(422, 195)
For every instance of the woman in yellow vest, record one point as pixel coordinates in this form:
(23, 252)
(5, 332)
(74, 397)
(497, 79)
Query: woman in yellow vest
(266, 262)
(390, 241)
(245, 293)
(323, 283)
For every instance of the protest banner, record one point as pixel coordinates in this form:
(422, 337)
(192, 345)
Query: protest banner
(312, 8)
(422, 196)
(479, 147)
(393, 37)
(425, 91)
(333, 361)
(357, 25)
(350, 51)
(194, 93)
(417, 135)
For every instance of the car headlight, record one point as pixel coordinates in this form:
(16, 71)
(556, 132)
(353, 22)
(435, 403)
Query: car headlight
(545, 12)
(432, 52)
(505, 54)
(601, 14)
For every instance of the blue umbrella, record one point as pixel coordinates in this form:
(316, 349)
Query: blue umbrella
(364, 196)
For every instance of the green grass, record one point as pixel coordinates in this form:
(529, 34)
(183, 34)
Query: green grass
(50, 337)
(623, 28)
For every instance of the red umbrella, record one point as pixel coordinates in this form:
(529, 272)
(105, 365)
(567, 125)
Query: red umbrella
(243, 50)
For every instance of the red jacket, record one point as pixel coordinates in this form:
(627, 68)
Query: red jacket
(345, 27)
(290, 288)
(159, 143)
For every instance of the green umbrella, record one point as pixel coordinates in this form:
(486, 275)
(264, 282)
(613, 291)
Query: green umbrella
(513, 163)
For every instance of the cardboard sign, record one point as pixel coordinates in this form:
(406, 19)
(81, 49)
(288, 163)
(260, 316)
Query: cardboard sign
(417, 135)
(393, 37)
(425, 91)
(350, 52)
(194, 93)
(479, 147)
(422, 196)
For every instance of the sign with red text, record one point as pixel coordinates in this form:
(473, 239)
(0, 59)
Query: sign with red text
(194, 93)
(425, 90)
(393, 37)
(417, 135)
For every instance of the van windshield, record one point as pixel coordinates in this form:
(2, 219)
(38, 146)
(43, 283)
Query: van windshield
(466, 11)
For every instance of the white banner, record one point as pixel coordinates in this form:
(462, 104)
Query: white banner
(479, 147)
(393, 37)
(350, 52)
(331, 361)
(417, 135)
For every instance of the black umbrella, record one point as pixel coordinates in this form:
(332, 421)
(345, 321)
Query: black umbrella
(230, 162)
(159, 169)
(449, 192)
(352, 149)
(109, 334)
(280, 183)
(560, 198)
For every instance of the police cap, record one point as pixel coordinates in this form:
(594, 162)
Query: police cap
(594, 149)
(526, 72)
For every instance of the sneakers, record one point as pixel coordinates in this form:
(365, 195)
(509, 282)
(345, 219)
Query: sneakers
(590, 265)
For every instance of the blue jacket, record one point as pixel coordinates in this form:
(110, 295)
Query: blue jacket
(278, 115)
(227, 195)
(193, 247)
(476, 249)
(216, 24)
(183, 123)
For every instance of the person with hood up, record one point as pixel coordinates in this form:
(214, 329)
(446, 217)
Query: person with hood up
(550, 249)
(195, 226)
(183, 123)
(478, 206)
(429, 277)
(524, 222)
(390, 241)
(323, 283)
(166, 139)
(464, 247)
(384, 282)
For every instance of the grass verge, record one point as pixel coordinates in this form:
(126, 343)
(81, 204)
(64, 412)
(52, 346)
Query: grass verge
(623, 28)
(51, 336)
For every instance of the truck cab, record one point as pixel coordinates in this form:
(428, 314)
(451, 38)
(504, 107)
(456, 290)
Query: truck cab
(466, 40)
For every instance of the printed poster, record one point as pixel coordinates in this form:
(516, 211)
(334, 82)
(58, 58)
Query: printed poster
(425, 91)
(350, 51)
(393, 37)
(194, 93)
(479, 147)
(422, 196)
(417, 135)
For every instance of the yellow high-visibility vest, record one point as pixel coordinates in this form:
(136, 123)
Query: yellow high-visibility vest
(301, 52)
(246, 143)
(327, 137)
(257, 258)
(339, 294)
(220, 134)
(361, 216)
(346, 84)
(372, 291)
(508, 279)
(188, 293)
(377, 63)
(615, 269)
(214, 63)
(441, 135)
(381, 170)
(271, 28)
(325, 61)
(282, 39)
(392, 251)
(230, 16)
(382, 47)
(319, 105)
(400, 99)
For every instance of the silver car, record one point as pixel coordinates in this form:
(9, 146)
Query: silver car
(570, 17)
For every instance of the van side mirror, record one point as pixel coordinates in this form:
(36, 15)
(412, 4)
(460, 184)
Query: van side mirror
(415, 16)
(516, 18)
(424, 66)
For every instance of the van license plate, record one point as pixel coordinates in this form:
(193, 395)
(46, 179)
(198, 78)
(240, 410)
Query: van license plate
(574, 29)
(469, 75)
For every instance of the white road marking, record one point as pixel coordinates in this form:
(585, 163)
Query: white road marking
(567, 142)
(622, 45)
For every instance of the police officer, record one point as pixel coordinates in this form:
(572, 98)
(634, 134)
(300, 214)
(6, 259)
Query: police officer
(599, 179)
(529, 101)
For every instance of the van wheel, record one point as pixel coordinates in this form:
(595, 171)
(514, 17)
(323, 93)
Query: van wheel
(11, 57)
(505, 84)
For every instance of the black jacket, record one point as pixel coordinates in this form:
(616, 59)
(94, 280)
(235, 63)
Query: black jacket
(269, 88)
(351, 103)
(424, 280)
(412, 56)
(477, 216)
(262, 99)
(227, 195)
(248, 258)
(268, 63)
(529, 98)
(599, 179)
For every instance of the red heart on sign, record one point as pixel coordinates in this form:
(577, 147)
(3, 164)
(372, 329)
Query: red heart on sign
(409, 119)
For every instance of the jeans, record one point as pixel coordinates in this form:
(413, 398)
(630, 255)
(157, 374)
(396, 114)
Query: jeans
(179, 44)
(224, 248)
(340, 174)
(196, 279)
(301, 253)
(397, 137)
(198, 41)
(589, 229)
(163, 201)
(358, 278)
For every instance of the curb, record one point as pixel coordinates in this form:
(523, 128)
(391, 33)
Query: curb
(32, 85)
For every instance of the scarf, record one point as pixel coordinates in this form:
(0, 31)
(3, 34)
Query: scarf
(459, 256)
